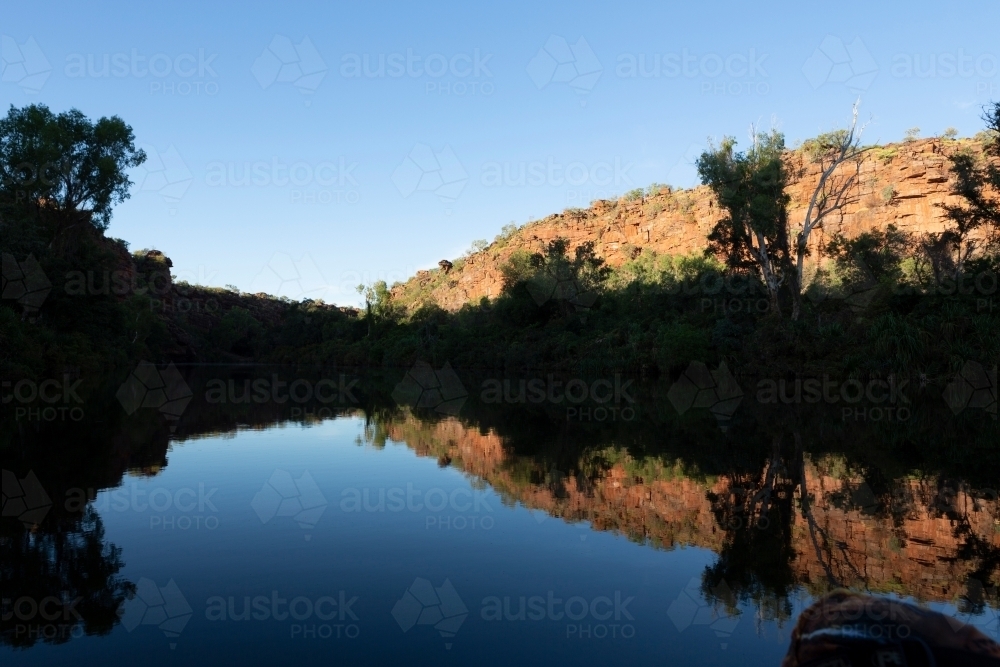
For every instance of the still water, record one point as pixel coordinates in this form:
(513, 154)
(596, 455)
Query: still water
(499, 535)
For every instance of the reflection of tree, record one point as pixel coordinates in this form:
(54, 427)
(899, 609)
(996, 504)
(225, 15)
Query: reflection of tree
(68, 563)
(786, 500)
(646, 479)
(982, 586)
(817, 536)
(755, 511)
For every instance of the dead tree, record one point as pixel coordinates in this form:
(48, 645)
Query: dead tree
(839, 154)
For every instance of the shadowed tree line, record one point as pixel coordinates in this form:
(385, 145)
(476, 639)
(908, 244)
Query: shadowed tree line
(887, 302)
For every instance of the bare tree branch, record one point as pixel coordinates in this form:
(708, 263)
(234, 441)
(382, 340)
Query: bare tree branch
(833, 191)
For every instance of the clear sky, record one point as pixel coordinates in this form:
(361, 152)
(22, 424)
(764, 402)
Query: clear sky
(304, 147)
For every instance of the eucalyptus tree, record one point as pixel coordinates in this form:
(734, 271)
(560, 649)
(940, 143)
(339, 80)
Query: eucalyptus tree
(750, 188)
(65, 164)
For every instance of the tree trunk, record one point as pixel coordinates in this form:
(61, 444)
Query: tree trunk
(771, 281)
(796, 276)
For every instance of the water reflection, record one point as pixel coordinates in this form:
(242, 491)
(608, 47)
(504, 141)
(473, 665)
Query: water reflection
(797, 519)
(60, 579)
(794, 503)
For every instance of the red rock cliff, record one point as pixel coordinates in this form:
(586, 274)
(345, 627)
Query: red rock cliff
(902, 184)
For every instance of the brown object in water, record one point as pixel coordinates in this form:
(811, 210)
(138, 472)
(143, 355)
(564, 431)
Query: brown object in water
(844, 629)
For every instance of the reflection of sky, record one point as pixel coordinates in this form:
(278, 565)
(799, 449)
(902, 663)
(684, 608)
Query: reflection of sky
(988, 622)
(377, 555)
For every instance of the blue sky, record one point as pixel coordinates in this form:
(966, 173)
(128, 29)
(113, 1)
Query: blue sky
(302, 148)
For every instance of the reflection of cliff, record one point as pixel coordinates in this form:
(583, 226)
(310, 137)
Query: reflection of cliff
(915, 537)
(918, 549)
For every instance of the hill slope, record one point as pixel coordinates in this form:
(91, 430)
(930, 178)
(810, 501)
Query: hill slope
(902, 184)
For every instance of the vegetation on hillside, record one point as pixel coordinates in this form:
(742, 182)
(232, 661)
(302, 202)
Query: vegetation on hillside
(889, 302)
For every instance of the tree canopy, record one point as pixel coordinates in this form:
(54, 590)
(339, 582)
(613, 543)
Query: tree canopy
(66, 161)
(750, 187)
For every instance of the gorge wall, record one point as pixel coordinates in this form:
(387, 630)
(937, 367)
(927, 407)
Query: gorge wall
(903, 184)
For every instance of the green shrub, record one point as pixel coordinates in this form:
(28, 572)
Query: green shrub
(886, 154)
(679, 343)
(507, 232)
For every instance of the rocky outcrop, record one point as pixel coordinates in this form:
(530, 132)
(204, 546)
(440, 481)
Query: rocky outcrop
(902, 184)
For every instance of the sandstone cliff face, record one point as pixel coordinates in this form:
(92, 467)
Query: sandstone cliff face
(916, 550)
(902, 184)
